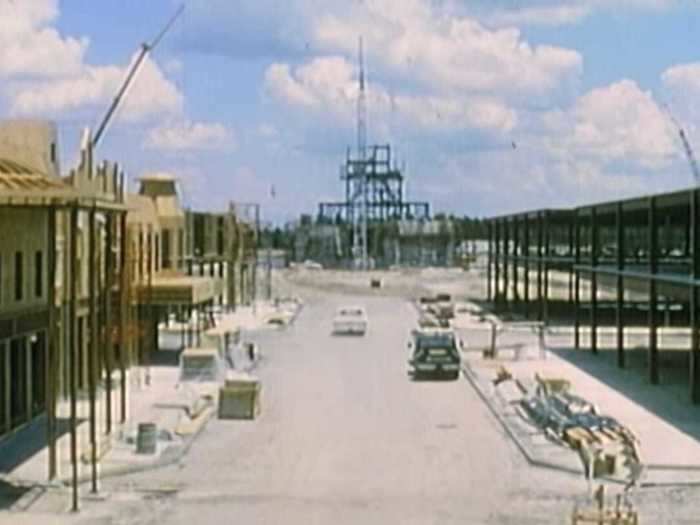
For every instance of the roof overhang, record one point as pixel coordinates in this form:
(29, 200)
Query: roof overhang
(176, 289)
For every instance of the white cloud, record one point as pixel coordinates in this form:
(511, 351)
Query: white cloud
(30, 47)
(43, 73)
(448, 53)
(151, 93)
(268, 131)
(188, 136)
(555, 15)
(552, 12)
(618, 122)
(328, 87)
(681, 85)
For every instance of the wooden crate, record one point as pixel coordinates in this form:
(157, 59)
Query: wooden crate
(240, 399)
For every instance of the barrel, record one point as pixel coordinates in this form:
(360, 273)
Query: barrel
(146, 438)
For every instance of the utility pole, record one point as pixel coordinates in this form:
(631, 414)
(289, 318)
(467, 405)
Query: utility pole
(269, 266)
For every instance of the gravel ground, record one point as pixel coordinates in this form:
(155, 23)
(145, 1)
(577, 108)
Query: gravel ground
(346, 437)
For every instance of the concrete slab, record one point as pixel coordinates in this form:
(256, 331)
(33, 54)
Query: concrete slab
(669, 430)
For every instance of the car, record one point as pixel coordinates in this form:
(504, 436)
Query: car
(435, 352)
(350, 320)
(312, 265)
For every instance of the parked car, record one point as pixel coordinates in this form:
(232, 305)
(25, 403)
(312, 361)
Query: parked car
(350, 320)
(435, 352)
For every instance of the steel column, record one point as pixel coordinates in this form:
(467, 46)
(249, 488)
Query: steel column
(497, 268)
(516, 259)
(619, 306)
(526, 276)
(694, 356)
(653, 232)
(577, 281)
(490, 260)
(547, 238)
(594, 281)
(540, 248)
(506, 259)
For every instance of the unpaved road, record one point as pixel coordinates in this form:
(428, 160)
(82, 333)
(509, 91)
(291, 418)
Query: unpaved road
(346, 437)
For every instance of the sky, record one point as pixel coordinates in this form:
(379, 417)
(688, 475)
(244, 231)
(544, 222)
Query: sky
(493, 106)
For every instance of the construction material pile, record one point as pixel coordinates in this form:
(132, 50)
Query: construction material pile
(605, 445)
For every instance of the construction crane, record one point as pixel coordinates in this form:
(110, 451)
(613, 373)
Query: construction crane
(686, 147)
(145, 49)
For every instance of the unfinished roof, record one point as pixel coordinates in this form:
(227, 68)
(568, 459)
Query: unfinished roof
(19, 183)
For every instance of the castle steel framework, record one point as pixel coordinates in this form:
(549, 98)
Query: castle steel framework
(376, 185)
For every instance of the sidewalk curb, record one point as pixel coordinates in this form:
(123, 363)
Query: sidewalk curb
(164, 460)
(470, 375)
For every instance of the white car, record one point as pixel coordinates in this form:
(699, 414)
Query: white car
(350, 320)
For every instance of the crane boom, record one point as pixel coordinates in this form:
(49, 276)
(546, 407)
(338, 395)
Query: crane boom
(145, 49)
(691, 157)
(686, 146)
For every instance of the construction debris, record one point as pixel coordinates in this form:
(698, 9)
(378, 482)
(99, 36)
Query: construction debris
(606, 447)
(622, 513)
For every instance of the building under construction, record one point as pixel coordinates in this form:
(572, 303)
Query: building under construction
(628, 268)
(375, 219)
(365, 229)
(381, 192)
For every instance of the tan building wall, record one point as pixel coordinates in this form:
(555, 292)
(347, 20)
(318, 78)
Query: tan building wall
(33, 143)
(172, 244)
(23, 231)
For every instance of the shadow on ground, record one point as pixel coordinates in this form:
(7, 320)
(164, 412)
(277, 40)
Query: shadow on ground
(669, 400)
(10, 494)
(29, 441)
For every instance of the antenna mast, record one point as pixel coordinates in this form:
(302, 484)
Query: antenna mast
(360, 223)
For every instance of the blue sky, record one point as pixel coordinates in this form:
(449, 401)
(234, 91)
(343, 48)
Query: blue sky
(248, 94)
